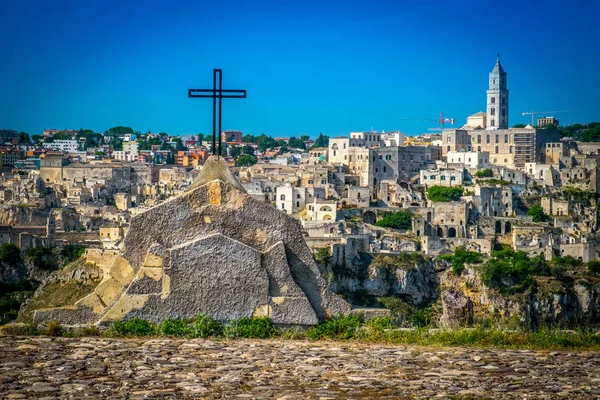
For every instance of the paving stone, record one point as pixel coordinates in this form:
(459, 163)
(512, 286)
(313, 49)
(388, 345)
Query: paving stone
(39, 367)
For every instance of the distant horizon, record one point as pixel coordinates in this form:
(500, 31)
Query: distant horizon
(333, 67)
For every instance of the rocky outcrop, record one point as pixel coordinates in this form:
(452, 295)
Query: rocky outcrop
(408, 276)
(212, 250)
(457, 310)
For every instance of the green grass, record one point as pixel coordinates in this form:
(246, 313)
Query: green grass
(350, 328)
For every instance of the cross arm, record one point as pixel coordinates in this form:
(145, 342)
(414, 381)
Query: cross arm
(215, 93)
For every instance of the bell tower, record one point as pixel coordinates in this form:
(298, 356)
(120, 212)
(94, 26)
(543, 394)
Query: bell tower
(497, 98)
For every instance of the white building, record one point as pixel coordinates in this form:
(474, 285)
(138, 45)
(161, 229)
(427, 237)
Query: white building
(66, 146)
(441, 177)
(469, 159)
(392, 139)
(131, 148)
(321, 210)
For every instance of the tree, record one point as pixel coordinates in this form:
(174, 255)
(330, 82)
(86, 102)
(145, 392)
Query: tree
(119, 131)
(397, 220)
(24, 137)
(249, 150)
(322, 141)
(37, 138)
(304, 138)
(519, 126)
(235, 151)
(10, 254)
(484, 173)
(444, 194)
(246, 160)
(537, 212)
(116, 143)
(249, 139)
(200, 138)
(296, 143)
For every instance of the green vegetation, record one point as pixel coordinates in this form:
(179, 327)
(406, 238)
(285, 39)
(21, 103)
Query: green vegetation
(296, 143)
(321, 141)
(42, 257)
(511, 272)
(461, 257)
(204, 326)
(404, 261)
(444, 194)
(10, 254)
(71, 252)
(343, 328)
(484, 173)
(492, 181)
(133, 327)
(576, 194)
(340, 328)
(11, 298)
(322, 255)
(537, 212)
(585, 133)
(257, 327)
(407, 315)
(396, 220)
(246, 160)
(594, 268)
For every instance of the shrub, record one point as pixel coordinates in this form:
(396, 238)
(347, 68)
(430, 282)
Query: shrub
(42, 258)
(511, 272)
(54, 329)
(537, 212)
(484, 173)
(71, 253)
(594, 267)
(133, 327)
(381, 323)
(444, 194)
(338, 328)
(204, 326)
(397, 220)
(567, 261)
(10, 254)
(322, 255)
(256, 327)
(461, 257)
(173, 327)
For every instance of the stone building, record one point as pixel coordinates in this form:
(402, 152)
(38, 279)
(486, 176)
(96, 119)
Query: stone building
(441, 177)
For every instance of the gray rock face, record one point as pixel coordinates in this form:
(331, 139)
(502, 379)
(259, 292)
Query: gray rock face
(457, 310)
(214, 250)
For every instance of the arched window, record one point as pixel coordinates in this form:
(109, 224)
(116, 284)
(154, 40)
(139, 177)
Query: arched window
(497, 138)
(505, 138)
(496, 149)
(478, 138)
(282, 197)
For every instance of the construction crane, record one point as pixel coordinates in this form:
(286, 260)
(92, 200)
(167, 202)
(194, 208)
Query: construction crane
(532, 113)
(442, 120)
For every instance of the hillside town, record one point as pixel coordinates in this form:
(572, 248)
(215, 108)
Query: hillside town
(529, 187)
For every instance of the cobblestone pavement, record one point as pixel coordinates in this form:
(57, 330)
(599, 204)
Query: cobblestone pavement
(42, 367)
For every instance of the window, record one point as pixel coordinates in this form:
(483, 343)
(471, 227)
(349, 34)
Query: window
(510, 149)
(283, 206)
(443, 178)
(492, 123)
(432, 177)
(384, 169)
(505, 160)
(505, 138)
(478, 148)
(323, 181)
(504, 112)
(424, 177)
(452, 178)
(298, 195)
(497, 138)
(297, 204)
(487, 139)
(494, 99)
(449, 139)
(496, 149)
(310, 181)
(478, 138)
(448, 150)
(492, 111)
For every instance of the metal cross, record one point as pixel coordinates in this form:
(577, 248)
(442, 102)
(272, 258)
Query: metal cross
(217, 93)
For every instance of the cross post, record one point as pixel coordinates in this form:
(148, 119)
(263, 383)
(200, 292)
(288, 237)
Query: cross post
(217, 92)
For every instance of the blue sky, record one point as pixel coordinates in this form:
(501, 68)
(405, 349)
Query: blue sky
(309, 66)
